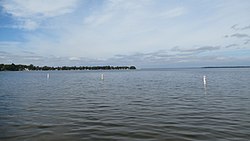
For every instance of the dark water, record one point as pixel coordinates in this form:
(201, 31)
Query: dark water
(127, 105)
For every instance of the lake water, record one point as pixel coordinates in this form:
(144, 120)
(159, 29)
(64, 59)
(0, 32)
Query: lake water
(146, 105)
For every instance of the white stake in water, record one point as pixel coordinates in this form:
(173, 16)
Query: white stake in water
(204, 80)
(205, 84)
(47, 75)
(102, 76)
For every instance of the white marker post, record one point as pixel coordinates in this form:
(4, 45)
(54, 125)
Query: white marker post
(204, 80)
(47, 75)
(102, 76)
(205, 84)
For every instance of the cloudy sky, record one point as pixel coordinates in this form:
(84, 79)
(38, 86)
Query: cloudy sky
(145, 33)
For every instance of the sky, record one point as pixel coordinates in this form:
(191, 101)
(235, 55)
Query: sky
(144, 33)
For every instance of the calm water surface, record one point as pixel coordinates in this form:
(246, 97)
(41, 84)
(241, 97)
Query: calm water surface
(165, 104)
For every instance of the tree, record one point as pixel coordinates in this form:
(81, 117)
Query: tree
(132, 67)
(31, 67)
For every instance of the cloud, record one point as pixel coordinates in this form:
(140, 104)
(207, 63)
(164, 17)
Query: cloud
(95, 20)
(40, 8)
(19, 58)
(29, 52)
(31, 13)
(10, 46)
(235, 27)
(172, 13)
(4, 44)
(239, 35)
(29, 25)
(246, 27)
(3, 52)
(231, 45)
(246, 42)
(162, 58)
(30, 58)
(74, 59)
(197, 50)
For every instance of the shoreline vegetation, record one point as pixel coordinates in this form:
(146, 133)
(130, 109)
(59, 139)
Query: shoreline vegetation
(19, 67)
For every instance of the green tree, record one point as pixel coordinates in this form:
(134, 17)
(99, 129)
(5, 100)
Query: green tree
(132, 67)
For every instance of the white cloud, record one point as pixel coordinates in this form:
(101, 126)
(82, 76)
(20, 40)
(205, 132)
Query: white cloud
(30, 25)
(74, 59)
(239, 35)
(31, 12)
(8, 44)
(178, 11)
(40, 8)
(98, 20)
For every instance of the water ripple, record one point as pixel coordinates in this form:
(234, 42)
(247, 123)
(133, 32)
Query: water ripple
(127, 105)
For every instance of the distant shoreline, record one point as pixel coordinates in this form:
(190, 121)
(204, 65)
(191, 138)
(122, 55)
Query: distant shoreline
(19, 67)
(207, 67)
(226, 67)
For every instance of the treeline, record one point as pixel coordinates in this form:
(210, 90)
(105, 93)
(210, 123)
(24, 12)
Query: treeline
(13, 67)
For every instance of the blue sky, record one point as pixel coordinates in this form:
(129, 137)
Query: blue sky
(145, 33)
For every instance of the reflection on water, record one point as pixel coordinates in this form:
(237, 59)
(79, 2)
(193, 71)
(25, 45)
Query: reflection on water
(126, 105)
